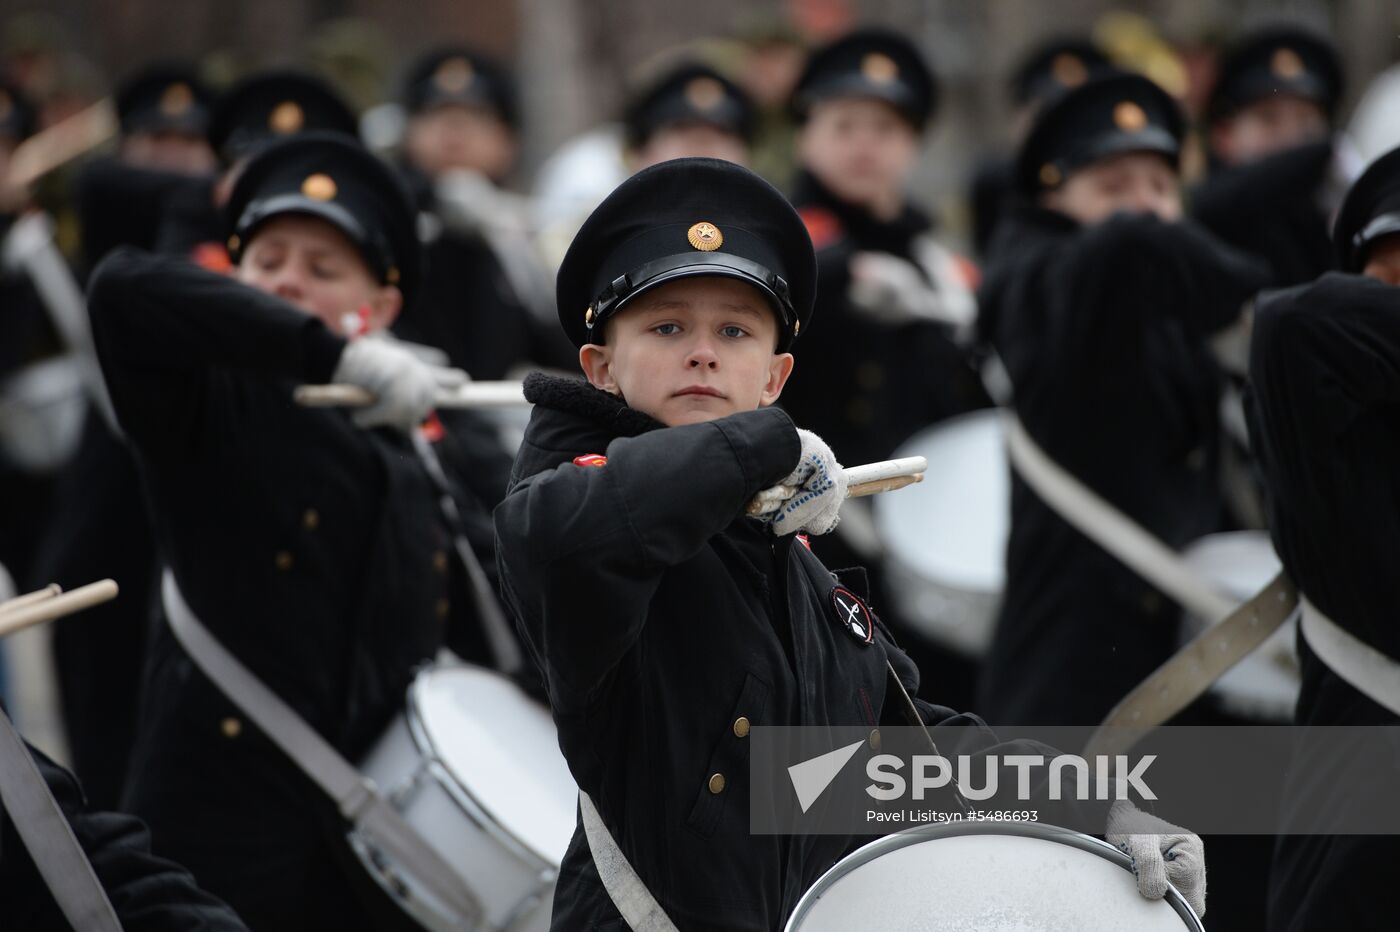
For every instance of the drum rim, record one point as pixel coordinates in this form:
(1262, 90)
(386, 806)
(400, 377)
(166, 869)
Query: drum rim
(444, 777)
(912, 836)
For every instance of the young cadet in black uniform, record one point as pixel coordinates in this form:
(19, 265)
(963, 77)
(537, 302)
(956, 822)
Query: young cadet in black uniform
(1323, 381)
(311, 547)
(1270, 121)
(1045, 72)
(101, 528)
(1100, 300)
(164, 113)
(690, 110)
(147, 893)
(886, 365)
(485, 298)
(666, 622)
(27, 336)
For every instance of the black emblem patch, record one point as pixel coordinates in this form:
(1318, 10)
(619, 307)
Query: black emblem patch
(852, 615)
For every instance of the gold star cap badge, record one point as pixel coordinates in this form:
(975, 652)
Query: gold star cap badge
(1286, 64)
(704, 93)
(287, 117)
(1068, 70)
(176, 99)
(1129, 117)
(454, 75)
(705, 236)
(879, 68)
(319, 187)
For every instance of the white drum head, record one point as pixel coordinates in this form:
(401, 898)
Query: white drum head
(945, 537)
(1264, 686)
(989, 877)
(502, 749)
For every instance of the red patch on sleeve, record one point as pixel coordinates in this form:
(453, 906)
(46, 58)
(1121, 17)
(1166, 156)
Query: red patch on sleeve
(591, 459)
(968, 272)
(805, 541)
(212, 256)
(822, 226)
(432, 428)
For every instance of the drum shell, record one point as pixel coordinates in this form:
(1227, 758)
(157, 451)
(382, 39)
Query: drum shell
(990, 876)
(515, 885)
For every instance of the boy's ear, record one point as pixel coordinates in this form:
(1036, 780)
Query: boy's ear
(596, 362)
(384, 307)
(779, 369)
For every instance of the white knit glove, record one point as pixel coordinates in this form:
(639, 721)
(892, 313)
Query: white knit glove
(810, 498)
(1162, 853)
(405, 388)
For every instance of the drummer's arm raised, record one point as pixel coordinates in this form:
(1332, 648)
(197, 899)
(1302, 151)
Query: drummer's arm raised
(582, 548)
(160, 324)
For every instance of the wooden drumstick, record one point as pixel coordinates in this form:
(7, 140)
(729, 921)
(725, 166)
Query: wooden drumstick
(57, 606)
(471, 395)
(29, 598)
(871, 479)
(64, 141)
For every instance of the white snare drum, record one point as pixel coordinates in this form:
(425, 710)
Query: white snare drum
(945, 537)
(993, 877)
(1263, 686)
(474, 765)
(42, 408)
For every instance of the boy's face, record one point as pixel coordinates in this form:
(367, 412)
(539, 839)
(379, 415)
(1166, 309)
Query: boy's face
(170, 151)
(1383, 260)
(1136, 182)
(453, 136)
(311, 265)
(691, 139)
(691, 350)
(861, 149)
(1268, 126)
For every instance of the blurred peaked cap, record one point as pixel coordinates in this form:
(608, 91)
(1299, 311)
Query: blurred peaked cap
(328, 176)
(1277, 60)
(689, 93)
(1370, 210)
(166, 97)
(687, 218)
(1108, 115)
(271, 105)
(870, 63)
(1050, 68)
(463, 76)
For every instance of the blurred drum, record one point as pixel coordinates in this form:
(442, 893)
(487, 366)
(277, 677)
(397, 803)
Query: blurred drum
(1264, 686)
(993, 877)
(473, 764)
(945, 538)
(42, 408)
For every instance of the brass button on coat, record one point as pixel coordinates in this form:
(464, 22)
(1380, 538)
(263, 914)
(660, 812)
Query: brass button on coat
(443, 606)
(741, 727)
(717, 783)
(311, 519)
(283, 560)
(231, 727)
(440, 561)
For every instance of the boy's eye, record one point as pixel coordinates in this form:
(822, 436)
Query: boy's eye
(666, 329)
(733, 331)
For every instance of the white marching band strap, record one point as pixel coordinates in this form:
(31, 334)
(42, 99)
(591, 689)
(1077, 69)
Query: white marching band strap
(1371, 672)
(627, 891)
(356, 796)
(1236, 630)
(1108, 527)
(49, 838)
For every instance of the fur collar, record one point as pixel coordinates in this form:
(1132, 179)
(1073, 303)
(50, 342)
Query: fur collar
(576, 396)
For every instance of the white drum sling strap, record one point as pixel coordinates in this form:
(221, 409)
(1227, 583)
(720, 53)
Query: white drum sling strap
(627, 891)
(1192, 670)
(49, 839)
(357, 797)
(1371, 672)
